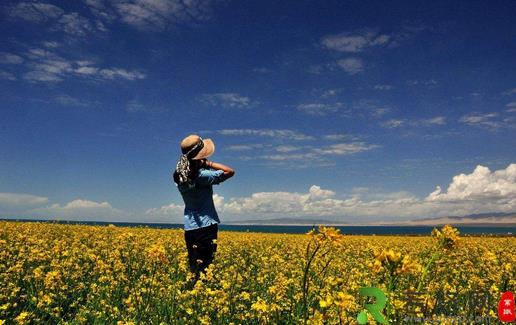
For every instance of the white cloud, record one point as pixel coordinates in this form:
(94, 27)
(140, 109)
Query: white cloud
(317, 193)
(267, 203)
(74, 24)
(344, 148)
(379, 112)
(289, 157)
(35, 12)
(7, 76)
(59, 21)
(9, 58)
(337, 136)
(43, 65)
(330, 93)
(428, 83)
(486, 120)
(273, 133)
(46, 66)
(428, 122)
(356, 41)
(243, 147)
(383, 87)
(41, 76)
(509, 92)
(438, 120)
(159, 14)
(481, 186)
(370, 106)
(21, 200)
(87, 70)
(173, 212)
(218, 201)
(115, 73)
(228, 100)
(287, 148)
(311, 156)
(286, 151)
(67, 100)
(481, 191)
(50, 44)
(351, 65)
(316, 202)
(320, 68)
(141, 14)
(79, 209)
(319, 108)
(393, 123)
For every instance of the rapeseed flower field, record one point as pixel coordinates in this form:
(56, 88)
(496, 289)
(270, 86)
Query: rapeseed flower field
(78, 274)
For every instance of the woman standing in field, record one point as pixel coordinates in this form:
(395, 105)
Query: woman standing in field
(194, 176)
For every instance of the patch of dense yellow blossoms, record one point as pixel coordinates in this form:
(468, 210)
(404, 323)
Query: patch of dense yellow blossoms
(78, 274)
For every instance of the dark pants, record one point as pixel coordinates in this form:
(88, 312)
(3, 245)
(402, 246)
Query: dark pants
(201, 248)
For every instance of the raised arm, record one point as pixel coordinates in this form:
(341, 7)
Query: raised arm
(228, 171)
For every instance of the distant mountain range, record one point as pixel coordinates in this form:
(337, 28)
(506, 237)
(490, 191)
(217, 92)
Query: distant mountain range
(483, 219)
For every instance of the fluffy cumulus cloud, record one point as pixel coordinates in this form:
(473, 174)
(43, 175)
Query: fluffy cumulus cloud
(479, 187)
(481, 191)
(172, 213)
(313, 203)
(79, 209)
(32, 206)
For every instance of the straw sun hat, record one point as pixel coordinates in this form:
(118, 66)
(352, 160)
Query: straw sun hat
(203, 148)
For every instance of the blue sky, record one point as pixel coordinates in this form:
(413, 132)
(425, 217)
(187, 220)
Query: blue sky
(347, 110)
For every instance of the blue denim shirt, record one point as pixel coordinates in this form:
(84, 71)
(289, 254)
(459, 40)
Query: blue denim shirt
(199, 207)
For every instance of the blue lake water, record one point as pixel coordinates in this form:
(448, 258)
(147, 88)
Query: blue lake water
(353, 230)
